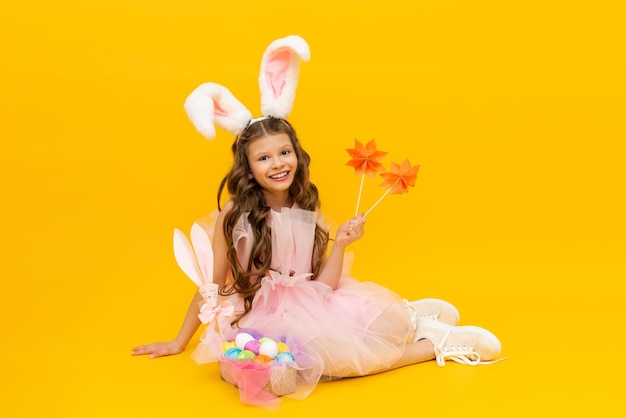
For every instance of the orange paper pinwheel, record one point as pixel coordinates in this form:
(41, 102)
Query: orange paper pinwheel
(400, 177)
(397, 180)
(365, 160)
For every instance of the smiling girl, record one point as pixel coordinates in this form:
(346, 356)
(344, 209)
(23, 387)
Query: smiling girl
(273, 265)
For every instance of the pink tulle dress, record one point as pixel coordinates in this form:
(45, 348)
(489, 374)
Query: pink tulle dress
(358, 329)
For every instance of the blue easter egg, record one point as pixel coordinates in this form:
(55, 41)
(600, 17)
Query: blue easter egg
(232, 353)
(285, 358)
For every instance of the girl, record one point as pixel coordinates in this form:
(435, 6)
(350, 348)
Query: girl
(271, 262)
(272, 265)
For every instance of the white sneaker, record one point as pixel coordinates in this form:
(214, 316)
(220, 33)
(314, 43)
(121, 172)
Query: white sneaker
(466, 345)
(435, 309)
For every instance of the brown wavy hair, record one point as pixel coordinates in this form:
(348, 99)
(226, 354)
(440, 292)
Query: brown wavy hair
(248, 196)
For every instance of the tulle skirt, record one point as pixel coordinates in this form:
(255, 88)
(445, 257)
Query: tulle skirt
(359, 329)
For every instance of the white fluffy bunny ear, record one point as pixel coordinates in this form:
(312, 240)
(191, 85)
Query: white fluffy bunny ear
(212, 104)
(280, 68)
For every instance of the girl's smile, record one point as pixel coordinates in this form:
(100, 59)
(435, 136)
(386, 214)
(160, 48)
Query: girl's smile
(280, 176)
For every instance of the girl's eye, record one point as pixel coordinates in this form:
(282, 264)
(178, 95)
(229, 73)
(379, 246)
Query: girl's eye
(263, 158)
(285, 152)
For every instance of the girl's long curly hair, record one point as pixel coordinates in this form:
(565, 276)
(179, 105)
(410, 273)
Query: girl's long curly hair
(247, 196)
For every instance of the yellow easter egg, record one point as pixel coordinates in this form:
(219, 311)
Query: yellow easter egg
(282, 347)
(226, 345)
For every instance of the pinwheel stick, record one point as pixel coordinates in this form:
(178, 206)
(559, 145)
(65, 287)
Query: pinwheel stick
(381, 198)
(358, 199)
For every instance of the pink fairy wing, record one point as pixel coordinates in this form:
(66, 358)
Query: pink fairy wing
(204, 252)
(185, 257)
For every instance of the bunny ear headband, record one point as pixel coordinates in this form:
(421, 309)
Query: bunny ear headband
(211, 104)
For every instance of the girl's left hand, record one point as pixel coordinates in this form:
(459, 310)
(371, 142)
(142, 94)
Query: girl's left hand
(158, 349)
(350, 231)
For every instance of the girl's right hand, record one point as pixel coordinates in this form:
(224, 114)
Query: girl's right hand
(158, 349)
(350, 231)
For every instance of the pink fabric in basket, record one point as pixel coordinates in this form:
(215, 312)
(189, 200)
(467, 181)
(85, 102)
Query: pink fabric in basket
(251, 378)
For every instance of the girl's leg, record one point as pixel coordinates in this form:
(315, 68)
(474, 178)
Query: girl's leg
(395, 329)
(416, 352)
(436, 340)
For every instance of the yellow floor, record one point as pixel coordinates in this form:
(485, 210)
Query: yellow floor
(67, 346)
(513, 109)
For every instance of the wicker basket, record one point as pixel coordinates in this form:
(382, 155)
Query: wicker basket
(282, 380)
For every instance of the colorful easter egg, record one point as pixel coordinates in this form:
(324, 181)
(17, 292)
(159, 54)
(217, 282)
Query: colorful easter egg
(242, 338)
(232, 353)
(245, 355)
(262, 358)
(282, 347)
(226, 345)
(269, 348)
(263, 339)
(285, 358)
(253, 345)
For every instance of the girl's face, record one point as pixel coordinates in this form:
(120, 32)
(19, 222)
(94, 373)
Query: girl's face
(273, 163)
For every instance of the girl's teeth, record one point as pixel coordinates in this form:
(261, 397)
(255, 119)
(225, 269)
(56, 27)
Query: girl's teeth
(277, 176)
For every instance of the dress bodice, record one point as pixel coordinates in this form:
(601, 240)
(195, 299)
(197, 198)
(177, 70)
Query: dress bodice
(293, 235)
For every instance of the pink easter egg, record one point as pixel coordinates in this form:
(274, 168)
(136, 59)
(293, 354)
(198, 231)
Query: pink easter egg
(253, 345)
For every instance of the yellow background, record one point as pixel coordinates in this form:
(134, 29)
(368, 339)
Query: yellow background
(514, 109)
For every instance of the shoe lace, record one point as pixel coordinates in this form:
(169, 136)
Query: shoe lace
(460, 353)
(415, 316)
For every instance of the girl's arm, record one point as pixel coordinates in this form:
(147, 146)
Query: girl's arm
(178, 344)
(330, 273)
(191, 323)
